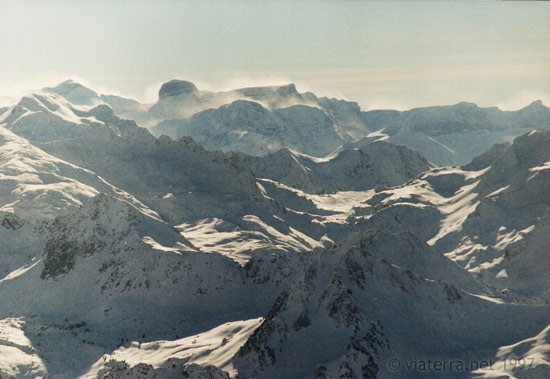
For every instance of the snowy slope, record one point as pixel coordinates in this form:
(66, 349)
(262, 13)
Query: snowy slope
(173, 369)
(455, 134)
(526, 359)
(117, 252)
(207, 220)
(108, 274)
(113, 282)
(60, 232)
(249, 127)
(41, 117)
(215, 198)
(36, 185)
(214, 347)
(511, 219)
(355, 307)
(489, 216)
(79, 95)
(19, 358)
(185, 184)
(376, 165)
(191, 188)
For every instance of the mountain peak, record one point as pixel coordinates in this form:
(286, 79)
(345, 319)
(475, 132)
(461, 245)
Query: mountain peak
(535, 105)
(177, 87)
(68, 82)
(466, 104)
(287, 88)
(75, 92)
(537, 110)
(67, 86)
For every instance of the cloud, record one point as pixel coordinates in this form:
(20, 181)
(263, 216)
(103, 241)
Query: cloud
(150, 94)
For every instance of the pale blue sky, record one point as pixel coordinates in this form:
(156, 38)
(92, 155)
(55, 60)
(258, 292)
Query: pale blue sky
(381, 54)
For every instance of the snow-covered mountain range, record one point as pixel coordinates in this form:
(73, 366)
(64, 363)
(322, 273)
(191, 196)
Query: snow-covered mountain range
(262, 120)
(264, 232)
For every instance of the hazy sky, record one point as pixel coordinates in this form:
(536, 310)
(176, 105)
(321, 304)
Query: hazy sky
(381, 54)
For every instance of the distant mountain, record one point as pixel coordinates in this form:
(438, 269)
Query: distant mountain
(44, 117)
(180, 99)
(262, 120)
(248, 126)
(455, 134)
(78, 94)
(270, 118)
(256, 120)
(75, 93)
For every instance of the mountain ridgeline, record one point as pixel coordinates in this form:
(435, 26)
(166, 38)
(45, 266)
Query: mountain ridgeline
(262, 120)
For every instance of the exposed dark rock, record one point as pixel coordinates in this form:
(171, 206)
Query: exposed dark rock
(176, 88)
(60, 255)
